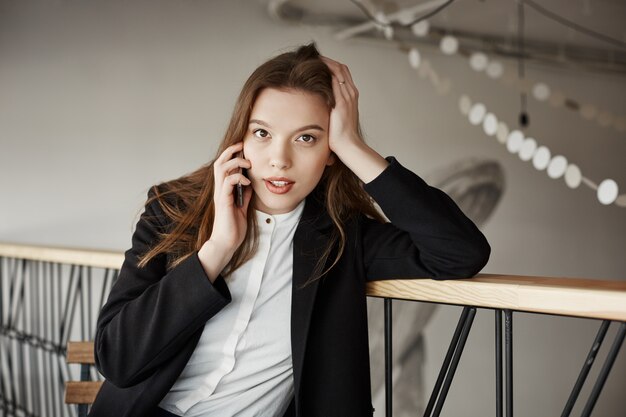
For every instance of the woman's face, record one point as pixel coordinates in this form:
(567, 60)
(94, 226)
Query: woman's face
(287, 146)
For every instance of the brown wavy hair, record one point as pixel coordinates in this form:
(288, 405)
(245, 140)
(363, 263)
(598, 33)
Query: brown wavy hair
(188, 200)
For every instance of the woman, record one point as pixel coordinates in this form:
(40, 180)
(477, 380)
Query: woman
(254, 304)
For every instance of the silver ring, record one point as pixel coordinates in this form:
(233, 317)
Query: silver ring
(342, 82)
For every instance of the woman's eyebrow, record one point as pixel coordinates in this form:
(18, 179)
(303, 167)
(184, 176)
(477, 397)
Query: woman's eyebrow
(303, 128)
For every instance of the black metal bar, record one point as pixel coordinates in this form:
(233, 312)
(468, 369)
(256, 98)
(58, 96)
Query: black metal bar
(508, 337)
(388, 360)
(55, 274)
(84, 376)
(36, 322)
(455, 361)
(90, 335)
(498, 363)
(591, 357)
(446, 362)
(80, 296)
(606, 368)
(47, 334)
(65, 314)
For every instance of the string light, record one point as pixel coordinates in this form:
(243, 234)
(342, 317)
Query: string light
(542, 92)
(527, 148)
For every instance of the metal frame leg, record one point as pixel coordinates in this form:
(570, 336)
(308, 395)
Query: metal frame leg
(84, 376)
(455, 362)
(595, 348)
(508, 338)
(388, 360)
(498, 363)
(461, 329)
(606, 368)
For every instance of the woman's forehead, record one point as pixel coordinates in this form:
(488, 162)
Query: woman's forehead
(276, 107)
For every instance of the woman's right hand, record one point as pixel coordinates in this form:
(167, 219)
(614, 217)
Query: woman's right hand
(229, 224)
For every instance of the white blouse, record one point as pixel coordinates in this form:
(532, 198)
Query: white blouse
(242, 364)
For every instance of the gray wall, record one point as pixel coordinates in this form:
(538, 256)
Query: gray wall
(100, 100)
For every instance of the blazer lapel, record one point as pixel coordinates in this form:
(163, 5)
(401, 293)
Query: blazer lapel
(311, 238)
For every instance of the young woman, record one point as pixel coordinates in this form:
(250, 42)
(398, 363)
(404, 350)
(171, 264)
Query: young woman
(254, 305)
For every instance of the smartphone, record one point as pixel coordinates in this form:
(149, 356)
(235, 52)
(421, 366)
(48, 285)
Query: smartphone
(239, 187)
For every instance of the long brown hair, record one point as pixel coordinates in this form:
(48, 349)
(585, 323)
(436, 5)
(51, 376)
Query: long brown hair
(188, 200)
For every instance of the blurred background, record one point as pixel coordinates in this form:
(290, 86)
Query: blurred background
(516, 109)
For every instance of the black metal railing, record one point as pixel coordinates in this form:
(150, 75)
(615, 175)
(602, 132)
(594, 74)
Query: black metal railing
(588, 299)
(44, 304)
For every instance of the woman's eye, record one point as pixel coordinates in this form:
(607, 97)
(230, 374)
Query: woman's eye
(306, 138)
(261, 133)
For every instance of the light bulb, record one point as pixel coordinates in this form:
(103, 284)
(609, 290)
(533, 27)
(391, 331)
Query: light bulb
(557, 166)
(541, 159)
(495, 69)
(388, 32)
(477, 113)
(449, 45)
(490, 124)
(515, 140)
(607, 191)
(420, 29)
(414, 58)
(503, 132)
(573, 176)
(478, 61)
(541, 91)
(528, 149)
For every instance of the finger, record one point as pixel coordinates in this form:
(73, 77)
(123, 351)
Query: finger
(231, 181)
(339, 70)
(348, 84)
(341, 73)
(229, 152)
(224, 157)
(234, 164)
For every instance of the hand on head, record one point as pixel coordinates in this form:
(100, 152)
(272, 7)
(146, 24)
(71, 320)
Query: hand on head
(344, 117)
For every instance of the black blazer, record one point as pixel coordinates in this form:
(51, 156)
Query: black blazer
(154, 317)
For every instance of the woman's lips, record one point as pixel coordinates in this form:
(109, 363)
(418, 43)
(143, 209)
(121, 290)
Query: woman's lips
(278, 185)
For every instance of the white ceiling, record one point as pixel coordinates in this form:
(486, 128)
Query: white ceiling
(493, 21)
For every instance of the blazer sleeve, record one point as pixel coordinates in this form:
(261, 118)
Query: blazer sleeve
(152, 312)
(428, 235)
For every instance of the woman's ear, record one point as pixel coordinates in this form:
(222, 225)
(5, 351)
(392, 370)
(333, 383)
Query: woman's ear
(331, 159)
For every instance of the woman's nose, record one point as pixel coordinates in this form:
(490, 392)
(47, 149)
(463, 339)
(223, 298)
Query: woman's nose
(279, 157)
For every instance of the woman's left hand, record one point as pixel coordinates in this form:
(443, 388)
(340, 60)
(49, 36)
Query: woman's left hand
(344, 137)
(344, 117)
